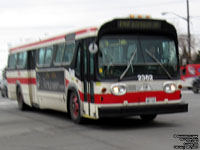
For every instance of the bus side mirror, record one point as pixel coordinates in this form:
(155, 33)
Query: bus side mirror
(93, 48)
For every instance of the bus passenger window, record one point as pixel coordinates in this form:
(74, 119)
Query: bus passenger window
(48, 56)
(12, 61)
(78, 63)
(41, 56)
(69, 52)
(59, 53)
(22, 59)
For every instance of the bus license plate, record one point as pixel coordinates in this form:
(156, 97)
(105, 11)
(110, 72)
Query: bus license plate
(150, 100)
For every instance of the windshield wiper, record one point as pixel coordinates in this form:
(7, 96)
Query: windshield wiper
(158, 62)
(129, 64)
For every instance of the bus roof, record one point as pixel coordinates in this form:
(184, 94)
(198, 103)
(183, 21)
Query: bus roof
(88, 32)
(119, 25)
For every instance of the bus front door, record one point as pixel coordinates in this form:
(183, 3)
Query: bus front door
(88, 82)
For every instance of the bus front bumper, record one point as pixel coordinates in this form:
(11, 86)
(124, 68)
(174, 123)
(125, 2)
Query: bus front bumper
(142, 110)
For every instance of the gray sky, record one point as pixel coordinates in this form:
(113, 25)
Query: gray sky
(28, 20)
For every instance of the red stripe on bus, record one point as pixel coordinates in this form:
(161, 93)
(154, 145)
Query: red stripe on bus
(22, 80)
(52, 39)
(85, 31)
(28, 80)
(66, 82)
(137, 97)
(134, 97)
(81, 96)
(37, 43)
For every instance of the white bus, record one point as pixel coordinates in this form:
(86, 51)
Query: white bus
(126, 67)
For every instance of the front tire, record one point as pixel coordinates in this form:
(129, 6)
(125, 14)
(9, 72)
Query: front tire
(148, 118)
(74, 107)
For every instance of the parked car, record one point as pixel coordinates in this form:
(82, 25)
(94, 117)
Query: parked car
(0, 84)
(196, 85)
(4, 89)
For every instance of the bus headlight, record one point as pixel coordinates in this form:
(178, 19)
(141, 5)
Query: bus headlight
(170, 88)
(118, 89)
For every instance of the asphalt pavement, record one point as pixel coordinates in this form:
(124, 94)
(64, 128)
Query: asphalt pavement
(51, 130)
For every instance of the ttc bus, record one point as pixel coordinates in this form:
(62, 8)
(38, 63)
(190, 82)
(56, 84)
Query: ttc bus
(126, 67)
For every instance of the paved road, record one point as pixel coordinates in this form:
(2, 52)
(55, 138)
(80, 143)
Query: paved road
(50, 130)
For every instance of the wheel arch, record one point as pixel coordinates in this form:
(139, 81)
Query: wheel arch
(71, 88)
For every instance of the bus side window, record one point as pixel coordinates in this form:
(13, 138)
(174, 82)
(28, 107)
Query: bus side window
(41, 55)
(45, 56)
(12, 61)
(48, 56)
(69, 52)
(78, 63)
(59, 54)
(22, 60)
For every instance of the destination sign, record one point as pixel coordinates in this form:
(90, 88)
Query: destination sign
(138, 24)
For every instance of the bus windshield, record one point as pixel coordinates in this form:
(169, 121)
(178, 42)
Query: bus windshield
(127, 56)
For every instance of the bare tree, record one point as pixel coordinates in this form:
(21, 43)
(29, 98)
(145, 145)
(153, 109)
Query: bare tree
(183, 48)
(197, 57)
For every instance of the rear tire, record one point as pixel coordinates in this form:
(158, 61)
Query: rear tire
(74, 107)
(20, 100)
(2, 94)
(148, 118)
(6, 93)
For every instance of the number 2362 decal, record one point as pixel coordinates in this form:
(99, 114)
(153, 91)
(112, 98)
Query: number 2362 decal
(145, 77)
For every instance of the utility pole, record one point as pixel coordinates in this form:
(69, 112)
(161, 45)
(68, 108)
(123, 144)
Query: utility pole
(188, 28)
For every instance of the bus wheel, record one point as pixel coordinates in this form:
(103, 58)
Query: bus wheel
(20, 100)
(74, 106)
(148, 117)
(2, 94)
